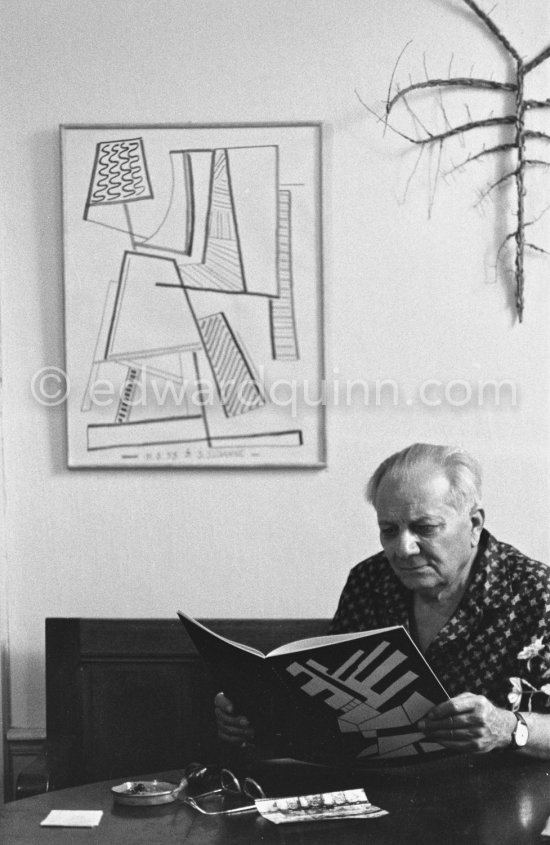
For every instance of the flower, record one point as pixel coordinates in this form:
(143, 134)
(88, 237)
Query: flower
(521, 688)
(515, 694)
(532, 650)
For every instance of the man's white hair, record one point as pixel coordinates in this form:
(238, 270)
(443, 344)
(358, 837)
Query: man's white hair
(462, 470)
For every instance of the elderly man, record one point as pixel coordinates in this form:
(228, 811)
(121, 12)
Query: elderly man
(471, 603)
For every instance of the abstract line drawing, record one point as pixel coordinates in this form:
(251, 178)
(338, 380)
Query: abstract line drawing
(183, 294)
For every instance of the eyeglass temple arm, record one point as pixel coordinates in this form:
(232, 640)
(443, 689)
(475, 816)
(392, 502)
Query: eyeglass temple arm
(233, 812)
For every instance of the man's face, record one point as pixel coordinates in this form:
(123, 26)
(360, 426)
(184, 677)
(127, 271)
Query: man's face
(428, 543)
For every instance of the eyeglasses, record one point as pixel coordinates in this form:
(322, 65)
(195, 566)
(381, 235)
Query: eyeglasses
(223, 787)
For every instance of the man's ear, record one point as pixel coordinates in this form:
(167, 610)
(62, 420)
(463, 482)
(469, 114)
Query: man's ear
(477, 517)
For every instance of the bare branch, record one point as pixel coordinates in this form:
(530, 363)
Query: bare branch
(390, 86)
(521, 165)
(506, 120)
(500, 148)
(493, 185)
(503, 245)
(450, 65)
(525, 225)
(438, 170)
(536, 248)
(446, 120)
(456, 82)
(545, 54)
(467, 127)
(413, 171)
(414, 117)
(538, 217)
(384, 120)
(536, 104)
(530, 133)
(494, 29)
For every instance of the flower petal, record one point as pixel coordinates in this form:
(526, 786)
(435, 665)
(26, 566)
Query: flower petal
(532, 650)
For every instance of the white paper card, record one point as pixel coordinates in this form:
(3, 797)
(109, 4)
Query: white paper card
(72, 818)
(345, 804)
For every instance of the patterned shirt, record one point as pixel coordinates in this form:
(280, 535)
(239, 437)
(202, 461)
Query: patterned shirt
(505, 607)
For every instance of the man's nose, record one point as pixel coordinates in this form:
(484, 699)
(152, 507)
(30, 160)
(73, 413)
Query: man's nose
(407, 545)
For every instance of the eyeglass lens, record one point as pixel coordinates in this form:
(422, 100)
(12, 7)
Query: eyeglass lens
(211, 780)
(229, 782)
(252, 788)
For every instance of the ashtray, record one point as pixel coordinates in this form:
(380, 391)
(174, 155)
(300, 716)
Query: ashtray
(145, 793)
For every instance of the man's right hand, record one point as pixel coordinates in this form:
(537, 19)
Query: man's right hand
(231, 728)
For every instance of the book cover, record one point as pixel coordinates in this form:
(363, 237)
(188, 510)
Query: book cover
(345, 698)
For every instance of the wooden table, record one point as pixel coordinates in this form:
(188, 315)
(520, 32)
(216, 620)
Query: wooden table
(481, 800)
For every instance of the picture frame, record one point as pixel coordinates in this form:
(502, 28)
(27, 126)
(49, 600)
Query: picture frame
(193, 278)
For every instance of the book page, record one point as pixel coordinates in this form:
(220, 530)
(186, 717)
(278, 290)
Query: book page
(329, 639)
(189, 621)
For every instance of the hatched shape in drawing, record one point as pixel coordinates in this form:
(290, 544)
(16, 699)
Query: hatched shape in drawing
(120, 173)
(235, 380)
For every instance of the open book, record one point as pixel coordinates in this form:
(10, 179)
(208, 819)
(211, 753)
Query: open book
(338, 699)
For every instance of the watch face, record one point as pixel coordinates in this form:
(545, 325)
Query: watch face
(521, 733)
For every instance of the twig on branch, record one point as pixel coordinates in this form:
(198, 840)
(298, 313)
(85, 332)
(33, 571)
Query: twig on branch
(494, 185)
(435, 178)
(538, 60)
(529, 133)
(536, 248)
(455, 82)
(395, 70)
(536, 104)
(465, 127)
(413, 171)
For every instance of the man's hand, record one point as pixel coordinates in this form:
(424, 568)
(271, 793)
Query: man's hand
(231, 728)
(469, 722)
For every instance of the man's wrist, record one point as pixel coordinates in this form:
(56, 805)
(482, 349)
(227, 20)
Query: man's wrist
(520, 736)
(509, 724)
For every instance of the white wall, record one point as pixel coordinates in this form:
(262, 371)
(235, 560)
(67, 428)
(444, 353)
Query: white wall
(408, 298)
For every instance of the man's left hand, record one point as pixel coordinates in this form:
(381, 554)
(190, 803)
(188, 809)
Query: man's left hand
(469, 722)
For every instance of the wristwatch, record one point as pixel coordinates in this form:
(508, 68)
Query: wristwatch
(520, 734)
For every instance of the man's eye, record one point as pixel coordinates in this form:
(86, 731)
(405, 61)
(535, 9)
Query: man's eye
(426, 530)
(388, 532)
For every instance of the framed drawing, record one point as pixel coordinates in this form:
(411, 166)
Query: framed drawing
(193, 295)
